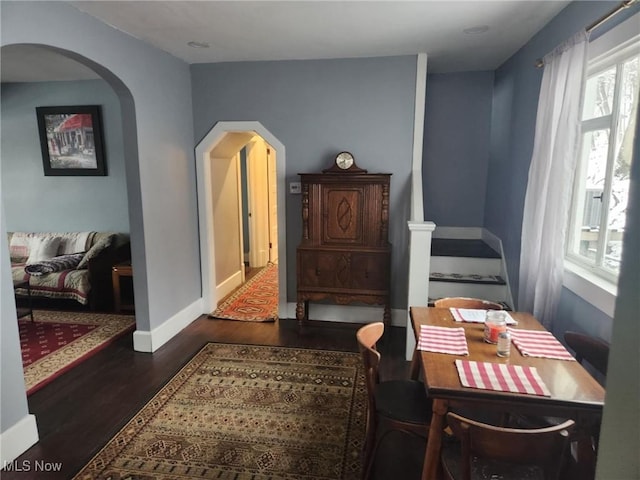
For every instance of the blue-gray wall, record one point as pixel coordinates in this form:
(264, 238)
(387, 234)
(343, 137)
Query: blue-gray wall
(34, 202)
(317, 109)
(154, 90)
(515, 102)
(14, 406)
(456, 147)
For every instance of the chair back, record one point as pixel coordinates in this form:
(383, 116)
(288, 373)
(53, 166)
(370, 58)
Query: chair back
(368, 337)
(466, 302)
(541, 446)
(592, 349)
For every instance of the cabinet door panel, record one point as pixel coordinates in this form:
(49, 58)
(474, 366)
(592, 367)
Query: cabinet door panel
(370, 271)
(342, 211)
(325, 269)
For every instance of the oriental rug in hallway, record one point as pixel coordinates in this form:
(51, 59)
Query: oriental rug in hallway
(255, 301)
(57, 341)
(246, 413)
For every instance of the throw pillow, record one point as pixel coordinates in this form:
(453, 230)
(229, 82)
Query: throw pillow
(43, 248)
(19, 247)
(95, 250)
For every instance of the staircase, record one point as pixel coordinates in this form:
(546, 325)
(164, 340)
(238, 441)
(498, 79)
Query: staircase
(467, 268)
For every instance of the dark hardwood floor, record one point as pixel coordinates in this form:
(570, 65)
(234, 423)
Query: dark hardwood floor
(81, 410)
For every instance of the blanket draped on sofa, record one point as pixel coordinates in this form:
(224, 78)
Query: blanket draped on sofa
(55, 264)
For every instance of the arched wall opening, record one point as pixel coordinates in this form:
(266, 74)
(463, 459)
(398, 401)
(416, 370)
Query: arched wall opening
(130, 159)
(204, 149)
(130, 154)
(19, 429)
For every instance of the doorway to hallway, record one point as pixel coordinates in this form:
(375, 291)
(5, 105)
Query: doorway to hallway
(240, 173)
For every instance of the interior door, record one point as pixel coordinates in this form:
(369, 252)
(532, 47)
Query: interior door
(273, 205)
(226, 224)
(257, 175)
(241, 207)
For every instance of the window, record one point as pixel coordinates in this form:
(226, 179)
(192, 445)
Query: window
(601, 187)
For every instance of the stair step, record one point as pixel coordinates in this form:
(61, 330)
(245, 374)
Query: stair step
(466, 265)
(432, 300)
(467, 278)
(456, 247)
(487, 291)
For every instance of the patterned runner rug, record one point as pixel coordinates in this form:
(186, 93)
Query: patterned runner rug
(255, 301)
(246, 413)
(58, 341)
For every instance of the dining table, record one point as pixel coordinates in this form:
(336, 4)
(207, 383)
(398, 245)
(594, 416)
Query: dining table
(571, 392)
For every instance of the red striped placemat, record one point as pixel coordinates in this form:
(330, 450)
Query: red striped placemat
(501, 377)
(538, 343)
(443, 340)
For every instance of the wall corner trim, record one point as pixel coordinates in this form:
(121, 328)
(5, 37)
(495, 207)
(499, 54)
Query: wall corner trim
(18, 439)
(144, 341)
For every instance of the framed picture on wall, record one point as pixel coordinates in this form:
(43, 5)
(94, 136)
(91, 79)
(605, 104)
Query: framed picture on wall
(71, 140)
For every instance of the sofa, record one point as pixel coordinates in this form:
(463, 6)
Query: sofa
(73, 266)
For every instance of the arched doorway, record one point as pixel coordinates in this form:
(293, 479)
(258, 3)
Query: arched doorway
(24, 433)
(237, 134)
(126, 144)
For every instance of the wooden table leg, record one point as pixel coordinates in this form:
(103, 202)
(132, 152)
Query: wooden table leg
(414, 370)
(434, 442)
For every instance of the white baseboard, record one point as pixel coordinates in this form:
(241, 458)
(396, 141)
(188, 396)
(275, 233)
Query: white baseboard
(18, 439)
(229, 285)
(151, 341)
(350, 313)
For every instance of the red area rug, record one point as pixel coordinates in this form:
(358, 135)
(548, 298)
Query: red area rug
(255, 301)
(58, 341)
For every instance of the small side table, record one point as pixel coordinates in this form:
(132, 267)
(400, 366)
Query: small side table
(117, 272)
(23, 312)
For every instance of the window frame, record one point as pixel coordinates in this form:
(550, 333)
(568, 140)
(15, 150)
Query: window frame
(594, 283)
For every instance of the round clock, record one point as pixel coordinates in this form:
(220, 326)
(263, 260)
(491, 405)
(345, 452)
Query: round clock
(344, 160)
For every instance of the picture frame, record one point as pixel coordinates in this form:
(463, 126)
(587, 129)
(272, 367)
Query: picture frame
(71, 140)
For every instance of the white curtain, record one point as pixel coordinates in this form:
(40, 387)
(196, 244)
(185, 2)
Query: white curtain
(551, 174)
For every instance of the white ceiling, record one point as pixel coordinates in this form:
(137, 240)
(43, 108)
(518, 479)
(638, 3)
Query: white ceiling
(301, 30)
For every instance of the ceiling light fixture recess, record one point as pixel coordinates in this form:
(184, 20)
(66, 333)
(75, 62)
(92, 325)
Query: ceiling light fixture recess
(198, 44)
(477, 30)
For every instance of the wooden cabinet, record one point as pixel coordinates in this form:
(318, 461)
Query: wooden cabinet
(344, 255)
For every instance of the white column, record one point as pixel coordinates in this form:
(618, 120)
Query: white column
(420, 234)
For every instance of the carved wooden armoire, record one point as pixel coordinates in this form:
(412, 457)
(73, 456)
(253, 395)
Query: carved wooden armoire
(345, 255)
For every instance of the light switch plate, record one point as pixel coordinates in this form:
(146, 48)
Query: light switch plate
(295, 187)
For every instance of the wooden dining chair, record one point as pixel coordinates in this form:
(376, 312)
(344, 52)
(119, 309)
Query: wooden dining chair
(395, 404)
(592, 349)
(467, 302)
(485, 451)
